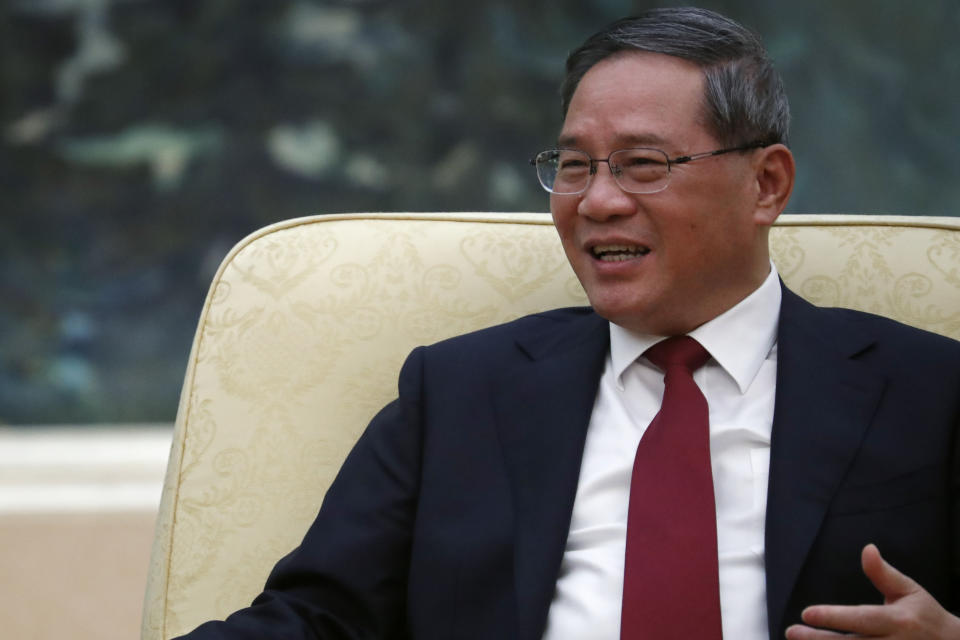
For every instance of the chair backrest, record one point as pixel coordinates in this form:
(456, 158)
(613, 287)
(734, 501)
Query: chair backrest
(308, 321)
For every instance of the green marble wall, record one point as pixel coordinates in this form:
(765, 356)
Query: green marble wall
(139, 139)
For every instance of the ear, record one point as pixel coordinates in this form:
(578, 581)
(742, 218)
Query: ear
(774, 171)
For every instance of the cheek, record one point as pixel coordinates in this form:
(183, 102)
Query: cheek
(692, 247)
(564, 217)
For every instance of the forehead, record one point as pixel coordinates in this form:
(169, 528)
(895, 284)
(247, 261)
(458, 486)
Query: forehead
(637, 98)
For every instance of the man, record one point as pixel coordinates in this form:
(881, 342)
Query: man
(503, 493)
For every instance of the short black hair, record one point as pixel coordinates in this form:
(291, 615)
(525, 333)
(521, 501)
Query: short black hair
(744, 97)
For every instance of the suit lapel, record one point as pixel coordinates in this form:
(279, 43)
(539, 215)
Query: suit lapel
(824, 403)
(543, 406)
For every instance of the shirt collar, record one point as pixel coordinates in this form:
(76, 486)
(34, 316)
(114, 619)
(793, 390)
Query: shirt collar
(739, 339)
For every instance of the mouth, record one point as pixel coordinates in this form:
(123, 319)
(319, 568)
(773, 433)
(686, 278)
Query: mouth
(618, 252)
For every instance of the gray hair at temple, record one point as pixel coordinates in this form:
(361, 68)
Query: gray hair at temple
(744, 97)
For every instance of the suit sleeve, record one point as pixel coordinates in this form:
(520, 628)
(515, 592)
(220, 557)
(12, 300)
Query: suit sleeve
(954, 497)
(348, 577)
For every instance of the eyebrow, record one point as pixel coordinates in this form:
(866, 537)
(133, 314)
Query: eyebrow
(633, 139)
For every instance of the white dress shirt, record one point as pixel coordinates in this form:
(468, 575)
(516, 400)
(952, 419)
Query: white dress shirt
(739, 382)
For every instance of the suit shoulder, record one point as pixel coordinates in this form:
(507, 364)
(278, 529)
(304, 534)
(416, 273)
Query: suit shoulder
(507, 333)
(486, 353)
(895, 336)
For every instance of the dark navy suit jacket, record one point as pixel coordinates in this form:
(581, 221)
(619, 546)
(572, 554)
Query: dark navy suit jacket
(449, 518)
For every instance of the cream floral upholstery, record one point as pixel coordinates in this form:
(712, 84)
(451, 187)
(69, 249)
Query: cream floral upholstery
(308, 321)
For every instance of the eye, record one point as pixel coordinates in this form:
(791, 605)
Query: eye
(572, 163)
(640, 158)
(570, 156)
(640, 166)
(639, 161)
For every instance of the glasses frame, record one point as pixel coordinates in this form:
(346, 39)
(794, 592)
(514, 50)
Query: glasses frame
(616, 174)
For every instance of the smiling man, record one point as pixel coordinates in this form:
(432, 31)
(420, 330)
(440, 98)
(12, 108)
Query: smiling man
(700, 454)
(663, 244)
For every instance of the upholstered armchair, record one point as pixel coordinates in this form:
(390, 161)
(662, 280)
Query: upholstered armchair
(308, 321)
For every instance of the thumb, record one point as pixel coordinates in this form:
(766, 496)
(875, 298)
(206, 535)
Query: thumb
(884, 576)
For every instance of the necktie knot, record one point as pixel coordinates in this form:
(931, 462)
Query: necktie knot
(681, 351)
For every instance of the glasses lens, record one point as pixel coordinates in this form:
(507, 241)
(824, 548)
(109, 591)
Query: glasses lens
(640, 170)
(563, 170)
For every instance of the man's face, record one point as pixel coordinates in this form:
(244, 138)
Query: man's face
(696, 247)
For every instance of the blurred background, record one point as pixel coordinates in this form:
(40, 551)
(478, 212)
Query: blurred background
(141, 139)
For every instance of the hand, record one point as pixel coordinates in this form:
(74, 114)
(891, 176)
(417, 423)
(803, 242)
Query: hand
(908, 612)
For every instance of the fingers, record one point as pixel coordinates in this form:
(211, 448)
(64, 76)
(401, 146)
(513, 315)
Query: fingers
(908, 612)
(801, 632)
(884, 576)
(865, 619)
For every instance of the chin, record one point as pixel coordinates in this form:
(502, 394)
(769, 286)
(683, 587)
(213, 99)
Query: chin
(639, 316)
(631, 316)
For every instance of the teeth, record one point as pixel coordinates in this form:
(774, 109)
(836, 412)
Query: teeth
(618, 252)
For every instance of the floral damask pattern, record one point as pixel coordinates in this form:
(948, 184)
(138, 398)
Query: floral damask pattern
(908, 273)
(308, 323)
(278, 264)
(514, 265)
(945, 257)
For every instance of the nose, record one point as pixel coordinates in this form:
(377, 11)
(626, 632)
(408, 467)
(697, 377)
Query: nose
(604, 198)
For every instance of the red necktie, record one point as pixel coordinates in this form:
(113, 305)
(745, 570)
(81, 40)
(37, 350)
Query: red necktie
(671, 588)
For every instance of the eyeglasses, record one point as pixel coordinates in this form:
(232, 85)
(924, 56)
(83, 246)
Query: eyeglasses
(640, 170)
